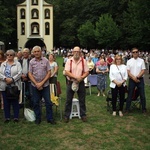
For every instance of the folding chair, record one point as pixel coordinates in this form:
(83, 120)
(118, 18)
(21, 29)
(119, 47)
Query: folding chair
(136, 102)
(56, 100)
(92, 79)
(87, 84)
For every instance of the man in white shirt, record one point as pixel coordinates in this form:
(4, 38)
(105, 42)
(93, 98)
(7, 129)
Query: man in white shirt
(136, 70)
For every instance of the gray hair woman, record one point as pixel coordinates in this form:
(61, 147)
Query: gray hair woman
(10, 74)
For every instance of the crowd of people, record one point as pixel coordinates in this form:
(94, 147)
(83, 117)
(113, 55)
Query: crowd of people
(37, 72)
(119, 66)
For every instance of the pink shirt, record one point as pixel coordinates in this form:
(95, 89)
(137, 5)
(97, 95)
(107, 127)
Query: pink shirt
(77, 68)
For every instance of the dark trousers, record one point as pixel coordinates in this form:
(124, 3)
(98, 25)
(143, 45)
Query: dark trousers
(7, 106)
(81, 96)
(37, 96)
(115, 91)
(141, 90)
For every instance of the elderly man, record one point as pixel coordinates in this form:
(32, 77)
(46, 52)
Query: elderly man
(25, 68)
(39, 74)
(76, 69)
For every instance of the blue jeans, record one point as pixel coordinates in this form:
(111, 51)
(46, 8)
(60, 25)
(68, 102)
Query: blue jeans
(81, 96)
(7, 106)
(141, 90)
(37, 96)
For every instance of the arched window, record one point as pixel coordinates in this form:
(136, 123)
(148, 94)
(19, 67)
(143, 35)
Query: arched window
(22, 13)
(22, 28)
(47, 28)
(35, 14)
(34, 2)
(47, 14)
(35, 28)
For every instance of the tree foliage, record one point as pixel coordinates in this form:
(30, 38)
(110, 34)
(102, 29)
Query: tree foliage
(126, 25)
(107, 33)
(86, 35)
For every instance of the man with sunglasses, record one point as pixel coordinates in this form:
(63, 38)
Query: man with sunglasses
(136, 70)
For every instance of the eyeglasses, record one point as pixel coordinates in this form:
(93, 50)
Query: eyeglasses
(135, 52)
(9, 55)
(118, 59)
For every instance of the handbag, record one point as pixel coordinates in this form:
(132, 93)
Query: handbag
(125, 88)
(12, 92)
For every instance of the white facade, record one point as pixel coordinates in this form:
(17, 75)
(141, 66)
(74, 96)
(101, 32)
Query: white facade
(35, 21)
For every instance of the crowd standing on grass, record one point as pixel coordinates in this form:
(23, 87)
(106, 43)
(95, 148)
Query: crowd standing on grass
(101, 62)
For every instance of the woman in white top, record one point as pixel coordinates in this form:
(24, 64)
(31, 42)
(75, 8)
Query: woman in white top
(118, 76)
(54, 69)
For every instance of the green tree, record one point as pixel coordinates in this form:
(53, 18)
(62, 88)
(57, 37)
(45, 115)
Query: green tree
(107, 32)
(5, 23)
(68, 35)
(137, 24)
(86, 35)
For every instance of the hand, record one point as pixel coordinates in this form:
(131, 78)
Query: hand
(9, 80)
(79, 79)
(136, 80)
(119, 84)
(39, 86)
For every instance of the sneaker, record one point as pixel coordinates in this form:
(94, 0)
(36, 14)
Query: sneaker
(120, 114)
(114, 113)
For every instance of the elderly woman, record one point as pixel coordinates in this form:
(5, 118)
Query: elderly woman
(10, 74)
(118, 76)
(101, 70)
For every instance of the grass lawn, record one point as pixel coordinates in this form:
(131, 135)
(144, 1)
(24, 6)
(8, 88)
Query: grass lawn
(101, 132)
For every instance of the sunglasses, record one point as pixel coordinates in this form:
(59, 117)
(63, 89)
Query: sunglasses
(9, 55)
(135, 52)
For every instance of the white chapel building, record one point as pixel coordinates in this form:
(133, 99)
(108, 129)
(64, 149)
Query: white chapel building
(35, 24)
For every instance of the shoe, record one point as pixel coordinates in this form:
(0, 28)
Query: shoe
(144, 112)
(16, 120)
(7, 121)
(126, 112)
(104, 95)
(66, 119)
(98, 94)
(120, 114)
(37, 121)
(114, 113)
(84, 119)
(51, 122)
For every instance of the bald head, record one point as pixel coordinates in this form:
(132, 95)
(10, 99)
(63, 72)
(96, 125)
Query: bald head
(76, 48)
